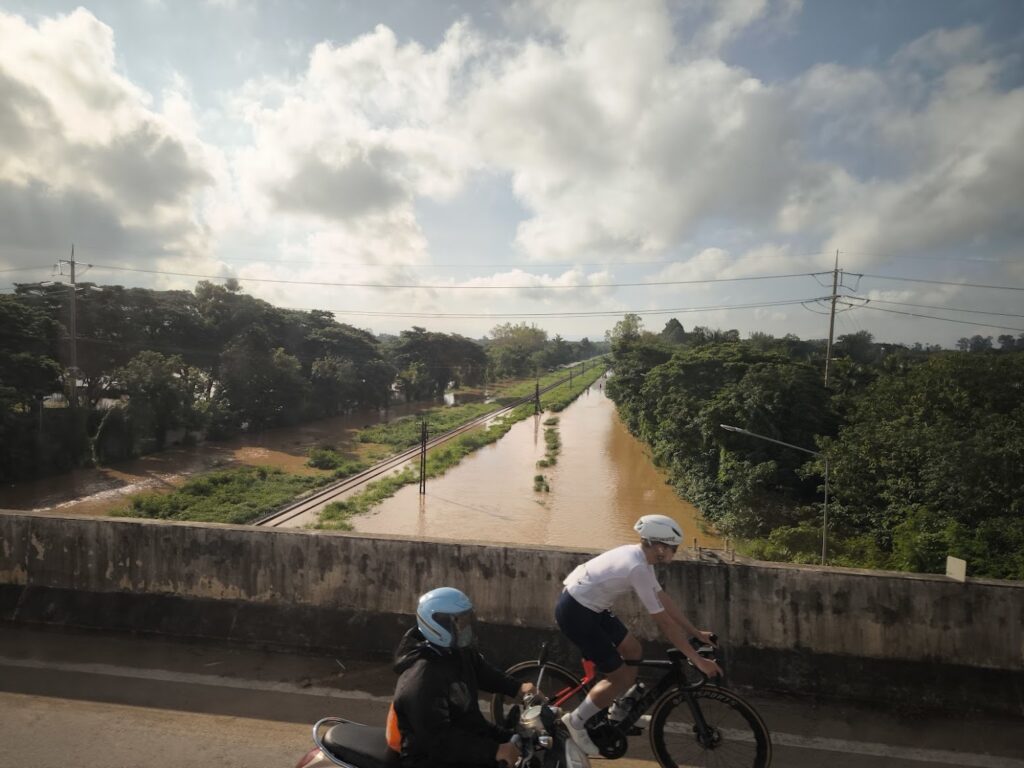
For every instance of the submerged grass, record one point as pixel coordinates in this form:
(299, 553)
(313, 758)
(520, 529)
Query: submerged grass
(240, 495)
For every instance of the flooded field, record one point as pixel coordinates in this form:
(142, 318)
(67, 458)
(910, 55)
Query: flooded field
(602, 482)
(100, 490)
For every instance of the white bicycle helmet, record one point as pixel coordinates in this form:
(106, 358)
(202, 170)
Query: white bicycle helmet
(660, 529)
(445, 617)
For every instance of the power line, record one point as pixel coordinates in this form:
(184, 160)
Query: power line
(936, 306)
(479, 265)
(931, 258)
(943, 282)
(933, 317)
(452, 287)
(26, 269)
(609, 313)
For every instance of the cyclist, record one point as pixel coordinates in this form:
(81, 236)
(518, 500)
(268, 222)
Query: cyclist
(436, 697)
(584, 615)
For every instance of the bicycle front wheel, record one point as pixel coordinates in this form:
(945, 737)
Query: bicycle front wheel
(559, 686)
(709, 727)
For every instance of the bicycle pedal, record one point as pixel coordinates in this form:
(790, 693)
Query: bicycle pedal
(634, 731)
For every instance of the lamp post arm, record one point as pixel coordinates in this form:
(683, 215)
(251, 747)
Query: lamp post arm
(730, 428)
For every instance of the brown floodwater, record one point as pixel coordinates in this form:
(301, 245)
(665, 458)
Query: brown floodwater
(602, 482)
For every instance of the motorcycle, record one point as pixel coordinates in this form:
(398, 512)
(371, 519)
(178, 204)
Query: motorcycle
(542, 740)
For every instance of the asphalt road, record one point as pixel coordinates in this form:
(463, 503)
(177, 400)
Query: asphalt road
(105, 701)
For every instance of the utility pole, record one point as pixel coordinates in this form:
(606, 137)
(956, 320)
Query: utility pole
(73, 328)
(536, 397)
(832, 315)
(423, 457)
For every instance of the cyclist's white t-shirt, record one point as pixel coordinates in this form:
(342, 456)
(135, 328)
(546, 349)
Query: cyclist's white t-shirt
(598, 583)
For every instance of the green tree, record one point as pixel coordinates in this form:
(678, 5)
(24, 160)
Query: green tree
(261, 385)
(161, 394)
(674, 333)
(516, 350)
(28, 350)
(932, 464)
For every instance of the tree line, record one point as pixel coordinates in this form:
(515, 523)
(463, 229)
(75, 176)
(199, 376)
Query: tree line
(149, 366)
(925, 446)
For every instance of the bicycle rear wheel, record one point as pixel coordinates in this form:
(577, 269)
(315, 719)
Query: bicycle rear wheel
(558, 684)
(736, 737)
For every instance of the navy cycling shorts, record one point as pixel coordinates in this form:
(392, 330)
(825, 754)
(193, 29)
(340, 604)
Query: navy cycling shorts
(598, 635)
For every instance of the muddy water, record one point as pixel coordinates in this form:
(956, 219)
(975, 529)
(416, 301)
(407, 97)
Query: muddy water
(602, 482)
(101, 490)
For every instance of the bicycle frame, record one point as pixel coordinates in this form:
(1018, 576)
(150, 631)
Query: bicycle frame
(562, 696)
(672, 679)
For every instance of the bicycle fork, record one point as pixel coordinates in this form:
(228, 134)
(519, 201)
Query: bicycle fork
(707, 736)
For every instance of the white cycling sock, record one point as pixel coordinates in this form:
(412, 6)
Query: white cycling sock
(584, 712)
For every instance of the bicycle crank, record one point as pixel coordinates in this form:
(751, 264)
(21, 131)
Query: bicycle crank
(609, 740)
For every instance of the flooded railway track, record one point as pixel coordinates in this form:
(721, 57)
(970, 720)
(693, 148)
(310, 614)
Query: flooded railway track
(283, 517)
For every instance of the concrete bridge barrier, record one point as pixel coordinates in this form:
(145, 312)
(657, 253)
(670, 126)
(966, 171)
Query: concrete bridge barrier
(919, 640)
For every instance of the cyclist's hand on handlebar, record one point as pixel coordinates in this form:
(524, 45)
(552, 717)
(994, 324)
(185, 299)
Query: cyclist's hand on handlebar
(507, 753)
(708, 637)
(708, 667)
(528, 689)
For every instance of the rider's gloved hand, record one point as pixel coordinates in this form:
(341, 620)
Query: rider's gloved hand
(708, 667)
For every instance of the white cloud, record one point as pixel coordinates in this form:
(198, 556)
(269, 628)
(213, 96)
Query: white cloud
(946, 139)
(615, 146)
(87, 158)
(625, 132)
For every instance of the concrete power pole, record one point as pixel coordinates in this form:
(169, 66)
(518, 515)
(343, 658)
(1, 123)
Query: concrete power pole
(832, 315)
(74, 332)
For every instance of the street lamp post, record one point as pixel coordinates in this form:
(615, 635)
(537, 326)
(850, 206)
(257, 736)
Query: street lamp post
(824, 516)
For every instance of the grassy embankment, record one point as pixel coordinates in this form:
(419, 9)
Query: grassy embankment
(238, 495)
(552, 447)
(241, 495)
(337, 515)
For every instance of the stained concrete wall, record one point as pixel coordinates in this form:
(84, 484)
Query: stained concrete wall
(832, 632)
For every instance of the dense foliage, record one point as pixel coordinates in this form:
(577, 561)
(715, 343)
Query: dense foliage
(926, 448)
(158, 367)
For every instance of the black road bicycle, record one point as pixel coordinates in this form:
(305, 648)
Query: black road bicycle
(692, 723)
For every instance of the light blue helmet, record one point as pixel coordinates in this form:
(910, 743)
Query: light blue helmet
(445, 617)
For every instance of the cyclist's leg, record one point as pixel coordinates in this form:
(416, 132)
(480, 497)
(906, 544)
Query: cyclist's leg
(617, 681)
(601, 637)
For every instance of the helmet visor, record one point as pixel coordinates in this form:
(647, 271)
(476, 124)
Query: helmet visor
(460, 625)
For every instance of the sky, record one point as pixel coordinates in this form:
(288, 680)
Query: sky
(456, 165)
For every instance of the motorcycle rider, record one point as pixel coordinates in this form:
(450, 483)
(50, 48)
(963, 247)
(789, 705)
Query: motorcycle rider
(584, 615)
(436, 698)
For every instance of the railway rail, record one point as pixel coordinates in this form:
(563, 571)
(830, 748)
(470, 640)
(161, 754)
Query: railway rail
(282, 517)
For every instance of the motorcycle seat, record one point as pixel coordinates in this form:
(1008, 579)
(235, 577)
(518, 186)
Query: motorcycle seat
(364, 746)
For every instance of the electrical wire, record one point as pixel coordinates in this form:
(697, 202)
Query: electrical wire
(453, 287)
(936, 306)
(609, 313)
(943, 282)
(932, 317)
(476, 265)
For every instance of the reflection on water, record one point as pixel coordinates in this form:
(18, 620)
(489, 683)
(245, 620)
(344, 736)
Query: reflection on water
(602, 483)
(100, 490)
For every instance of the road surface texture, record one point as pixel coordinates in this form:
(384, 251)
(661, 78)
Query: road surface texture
(92, 700)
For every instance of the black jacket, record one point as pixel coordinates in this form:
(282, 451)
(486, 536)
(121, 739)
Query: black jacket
(437, 704)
